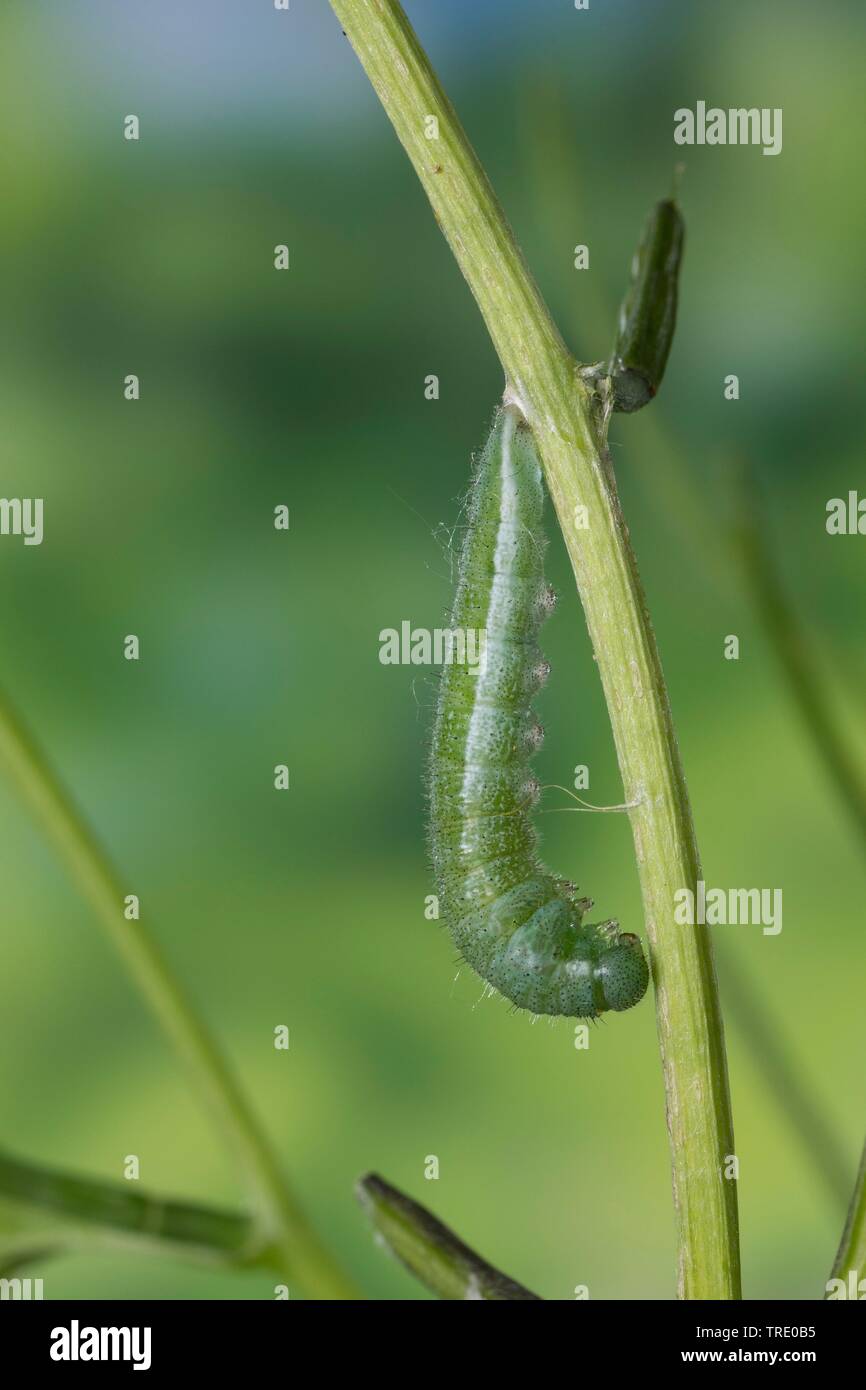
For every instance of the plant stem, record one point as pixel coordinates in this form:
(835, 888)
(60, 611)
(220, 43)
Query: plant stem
(851, 1256)
(432, 1252)
(552, 168)
(99, 1215)
(554, 171)
(305, 1260)
(542, 379)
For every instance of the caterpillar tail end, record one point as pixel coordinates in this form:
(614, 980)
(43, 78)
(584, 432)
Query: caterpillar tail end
(621, 974)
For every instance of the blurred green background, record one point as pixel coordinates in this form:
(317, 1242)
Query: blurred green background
(259, 647)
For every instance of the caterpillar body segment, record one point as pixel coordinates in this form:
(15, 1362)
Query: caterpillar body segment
(519, 926)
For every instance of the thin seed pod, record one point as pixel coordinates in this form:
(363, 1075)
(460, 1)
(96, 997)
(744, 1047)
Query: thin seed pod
(514, 922)
(648, 313)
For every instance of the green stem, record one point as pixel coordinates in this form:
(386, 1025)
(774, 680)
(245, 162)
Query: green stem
(432, 1252)
(304, 1258)
(543, 380)
(851, 1256)
(104, 1215)
(555, 179)
(553, 170)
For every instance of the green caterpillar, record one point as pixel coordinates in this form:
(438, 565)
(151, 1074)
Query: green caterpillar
(519, 926)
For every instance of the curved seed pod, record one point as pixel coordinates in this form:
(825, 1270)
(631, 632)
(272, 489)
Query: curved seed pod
(514, 922)
(649, 311)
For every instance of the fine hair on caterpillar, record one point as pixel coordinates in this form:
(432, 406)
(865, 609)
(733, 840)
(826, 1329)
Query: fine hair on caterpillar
(584, 805)
(518, 925)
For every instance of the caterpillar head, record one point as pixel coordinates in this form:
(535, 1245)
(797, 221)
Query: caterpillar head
(621, 974)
